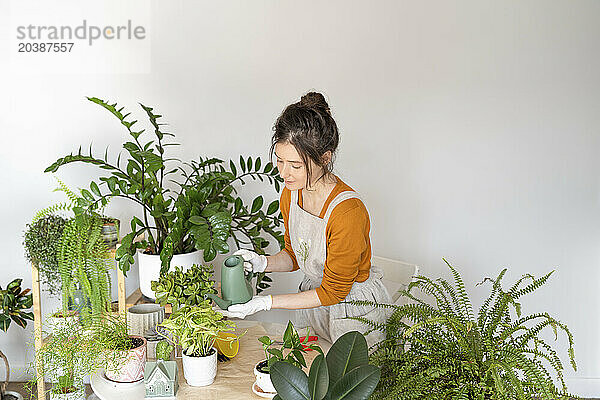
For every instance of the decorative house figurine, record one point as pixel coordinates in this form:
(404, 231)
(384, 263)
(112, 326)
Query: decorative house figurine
(160, 379)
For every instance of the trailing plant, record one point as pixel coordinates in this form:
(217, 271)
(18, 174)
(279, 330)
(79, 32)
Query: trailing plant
(446, 351)
(68, 355)
(41, 242)
(184, 288)
(15, 303)
(111, 332)
(195, 328)
(201, 214)
(344, 373)
(292, 350)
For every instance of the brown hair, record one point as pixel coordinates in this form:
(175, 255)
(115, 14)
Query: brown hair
(309, 127)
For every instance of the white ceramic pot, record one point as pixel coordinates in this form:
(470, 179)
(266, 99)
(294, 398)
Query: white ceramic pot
(57, 323)
(130, 364)
(78, 395)
(149, 267)
(200, 371)
(142, 317)
(17, 396)
(263, 380)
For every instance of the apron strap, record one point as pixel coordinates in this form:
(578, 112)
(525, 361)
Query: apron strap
(348, 194)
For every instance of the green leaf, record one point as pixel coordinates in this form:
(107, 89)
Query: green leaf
(4, 322)
(357, 384)
(289, 381)
(265, 340)
(268, 167)
(94, 188)
(232, 167)
(348, 352)
(257, 204)
(87, 195)
(249, 164)
(197, 220)
(257, 165)
(273, 207)
(242, 164)
(318, 378)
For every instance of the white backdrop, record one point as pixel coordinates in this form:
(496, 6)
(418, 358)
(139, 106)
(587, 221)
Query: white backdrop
(469, 127)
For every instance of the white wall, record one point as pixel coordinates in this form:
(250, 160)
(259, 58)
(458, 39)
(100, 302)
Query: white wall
(470, 127)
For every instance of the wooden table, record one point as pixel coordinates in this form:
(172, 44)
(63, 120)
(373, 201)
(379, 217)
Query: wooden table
(235, 377)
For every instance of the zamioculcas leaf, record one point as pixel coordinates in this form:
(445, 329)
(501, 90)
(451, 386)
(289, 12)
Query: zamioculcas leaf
(242, 164)
(257, 204)
(274, 206)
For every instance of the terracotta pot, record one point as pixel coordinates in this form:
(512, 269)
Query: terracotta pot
(200, 371)
(149, 268)
(129, 366)
(263, 379)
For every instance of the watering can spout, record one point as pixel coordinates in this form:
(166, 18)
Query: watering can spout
(223, 304)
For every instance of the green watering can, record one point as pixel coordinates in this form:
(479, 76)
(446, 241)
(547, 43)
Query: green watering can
(236, 285)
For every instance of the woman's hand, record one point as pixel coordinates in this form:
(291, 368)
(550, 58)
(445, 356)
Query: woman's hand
(253, 262)
(256, 304)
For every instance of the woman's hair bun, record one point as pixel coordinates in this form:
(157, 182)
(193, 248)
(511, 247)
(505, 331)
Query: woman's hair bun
(314, 99)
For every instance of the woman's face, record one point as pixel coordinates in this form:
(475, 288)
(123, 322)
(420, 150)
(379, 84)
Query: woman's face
(291, 167)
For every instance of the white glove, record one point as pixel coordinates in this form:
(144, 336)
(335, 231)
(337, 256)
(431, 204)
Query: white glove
(256, 304)
(252, 262)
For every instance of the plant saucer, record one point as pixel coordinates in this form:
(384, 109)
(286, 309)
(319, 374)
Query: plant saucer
(257, 391)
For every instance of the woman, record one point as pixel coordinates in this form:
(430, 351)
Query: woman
(326, 231)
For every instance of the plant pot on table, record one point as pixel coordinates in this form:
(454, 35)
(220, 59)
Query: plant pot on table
(10, 395)
(128, 366)
(200, 371)
(78, 394)
(263, 379)
(149, 267)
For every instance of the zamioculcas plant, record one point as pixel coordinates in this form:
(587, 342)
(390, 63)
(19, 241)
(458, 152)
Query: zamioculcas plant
(201, 214)
(344, 373)
(446, 351)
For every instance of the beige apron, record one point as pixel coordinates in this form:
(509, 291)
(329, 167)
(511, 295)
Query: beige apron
(309, 243)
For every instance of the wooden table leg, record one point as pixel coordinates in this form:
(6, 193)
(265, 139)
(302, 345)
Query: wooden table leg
(122, 291)
(37, 323)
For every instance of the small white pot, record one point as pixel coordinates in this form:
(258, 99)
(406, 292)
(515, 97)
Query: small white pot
(55, 324)
(78, 395)
(16, 395)
(263, 380)
(200, 371)
(149, 267)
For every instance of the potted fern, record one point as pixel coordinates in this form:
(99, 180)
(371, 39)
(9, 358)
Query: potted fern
(124, 355)
(68, 355)
(14, 303)
(199, 216)
(195, 329)
(446, 350)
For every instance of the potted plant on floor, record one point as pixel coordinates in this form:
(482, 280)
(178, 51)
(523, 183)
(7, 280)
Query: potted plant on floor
(200, 216)
(67, 356)
(14, 303)
(124, 355)
(195, 329)
(344, 373)
(291, 352)
(444, 350)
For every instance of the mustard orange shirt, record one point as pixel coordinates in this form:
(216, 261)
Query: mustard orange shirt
(348, 244)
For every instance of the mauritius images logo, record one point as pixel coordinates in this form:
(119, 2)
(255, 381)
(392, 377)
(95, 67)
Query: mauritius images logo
(85, 32)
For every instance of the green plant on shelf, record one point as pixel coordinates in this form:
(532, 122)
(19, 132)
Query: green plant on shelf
(445, 351)
(180, 287)
(67, 356)
(204, 211)
(15, 303)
